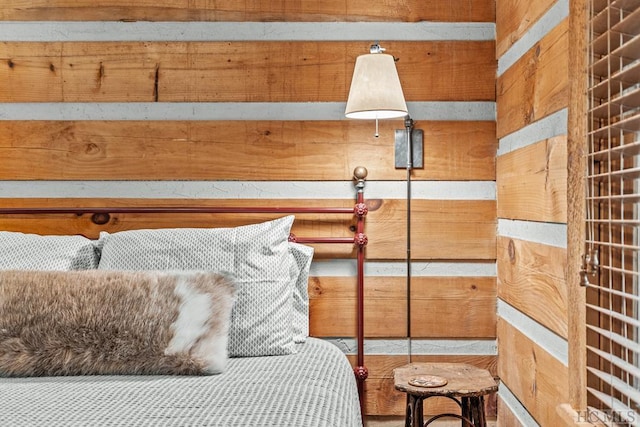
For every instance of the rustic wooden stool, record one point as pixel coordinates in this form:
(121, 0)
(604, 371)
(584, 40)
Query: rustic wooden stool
(465, 384)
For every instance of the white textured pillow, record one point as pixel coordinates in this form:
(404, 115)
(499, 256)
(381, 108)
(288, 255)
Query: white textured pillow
(258, 256)
(20, 251)
(302, 255)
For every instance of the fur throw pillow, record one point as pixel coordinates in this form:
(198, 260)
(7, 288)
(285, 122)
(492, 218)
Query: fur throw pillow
(112, 322)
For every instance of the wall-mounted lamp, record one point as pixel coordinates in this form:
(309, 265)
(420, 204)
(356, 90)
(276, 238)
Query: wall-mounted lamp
(376, 93)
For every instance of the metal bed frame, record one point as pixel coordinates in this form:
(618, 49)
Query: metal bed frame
(102, 215)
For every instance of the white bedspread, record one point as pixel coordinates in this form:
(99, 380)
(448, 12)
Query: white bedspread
(315, 387)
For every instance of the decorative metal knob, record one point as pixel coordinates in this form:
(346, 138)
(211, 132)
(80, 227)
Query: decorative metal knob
(362, 373)
(360, 209)
(361, 239)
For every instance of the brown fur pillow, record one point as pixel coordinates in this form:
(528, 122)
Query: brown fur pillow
(111, 322)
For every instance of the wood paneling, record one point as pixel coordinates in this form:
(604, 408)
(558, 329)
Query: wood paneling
(532, 182)
(279, 150)
(442, 229)
(506, 417)
(243, 10)
(332, 306)
(532, 279)
(535, 377)
(536, 85)
(237, 150)
(453, 307)
(381, 397)
(234, 72)
(443, 307)
(514, 18)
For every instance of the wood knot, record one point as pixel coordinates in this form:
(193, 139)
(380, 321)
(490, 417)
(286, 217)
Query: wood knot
(512, 251)
(315, 288)
(91, 148)
(373, 204)
(100, 218)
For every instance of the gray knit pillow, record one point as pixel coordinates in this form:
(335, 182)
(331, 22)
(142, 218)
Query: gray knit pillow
(19, 251)
(257, 255)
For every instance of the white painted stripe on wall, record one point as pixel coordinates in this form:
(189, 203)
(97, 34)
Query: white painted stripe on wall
(465, 111)
(347, 268)
(547, 127)
(427, 190)
(554, 344)
(546, 233)
(445, 110)
(243, 31)
(400, 346)
(553, 17)
(516, 407)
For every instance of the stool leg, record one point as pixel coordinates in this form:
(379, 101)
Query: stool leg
(480, 419)
(466, 405)
(414, 416)
(473, 412)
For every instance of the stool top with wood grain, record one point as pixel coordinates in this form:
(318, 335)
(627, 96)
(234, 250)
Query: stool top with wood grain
(462, 380)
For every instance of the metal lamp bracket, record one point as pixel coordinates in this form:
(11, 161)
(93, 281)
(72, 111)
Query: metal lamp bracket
(417, 138)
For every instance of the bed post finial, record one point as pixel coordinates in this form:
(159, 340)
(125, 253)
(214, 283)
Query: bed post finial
(359, 175)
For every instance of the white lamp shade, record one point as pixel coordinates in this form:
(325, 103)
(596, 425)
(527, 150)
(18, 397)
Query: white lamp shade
(375, 91)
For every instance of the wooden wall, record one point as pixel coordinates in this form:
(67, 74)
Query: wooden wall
(531, 177)
(148, 103)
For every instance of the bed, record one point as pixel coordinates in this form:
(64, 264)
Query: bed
(152, 327)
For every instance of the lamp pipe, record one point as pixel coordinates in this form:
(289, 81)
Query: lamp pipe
(408, 124)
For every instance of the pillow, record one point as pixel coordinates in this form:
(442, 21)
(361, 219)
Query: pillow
(257, 255)
(113, 323)
(19, 251)
(300, 322)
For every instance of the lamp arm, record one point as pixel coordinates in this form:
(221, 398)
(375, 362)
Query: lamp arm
(408, 125)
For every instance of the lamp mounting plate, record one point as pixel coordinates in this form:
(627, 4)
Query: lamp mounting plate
(417, 138)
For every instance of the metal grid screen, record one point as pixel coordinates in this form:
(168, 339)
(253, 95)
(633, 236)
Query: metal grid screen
(613, 195)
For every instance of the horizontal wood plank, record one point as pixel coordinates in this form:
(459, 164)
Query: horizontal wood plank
(536, 85)
(242, 10)
(452, 307)
(441, 229)
(535, 377)
(532, 278)
(381, 397)
(515, 18)
(532, 182)
(210, 150)
(332, 306)
(235, 72)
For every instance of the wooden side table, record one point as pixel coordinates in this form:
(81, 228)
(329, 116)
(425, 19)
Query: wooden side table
(465, 384)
